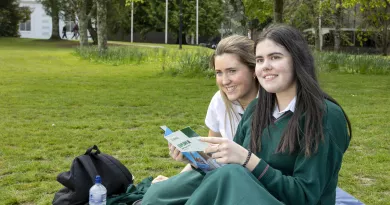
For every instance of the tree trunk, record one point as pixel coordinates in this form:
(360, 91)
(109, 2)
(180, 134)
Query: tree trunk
(386, 43)
(102, 25)
(92, 32)
(315, 22)
(317, 36)
(55, 31)
(278, 11)
(122, 31)
(83, 22)
(337, 20)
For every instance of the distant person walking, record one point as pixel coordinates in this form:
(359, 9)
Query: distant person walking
(75, 31)
(64, 32)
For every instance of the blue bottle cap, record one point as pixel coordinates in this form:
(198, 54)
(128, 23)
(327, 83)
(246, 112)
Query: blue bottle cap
(98, 179)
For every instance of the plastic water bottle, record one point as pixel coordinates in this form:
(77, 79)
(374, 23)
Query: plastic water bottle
(97, 193)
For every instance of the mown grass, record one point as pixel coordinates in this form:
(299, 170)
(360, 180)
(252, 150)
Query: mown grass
(54, 105)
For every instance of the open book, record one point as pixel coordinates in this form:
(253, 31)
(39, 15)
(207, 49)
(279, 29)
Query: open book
(186, 140)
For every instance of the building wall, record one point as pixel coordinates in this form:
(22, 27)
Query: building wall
(41, 24)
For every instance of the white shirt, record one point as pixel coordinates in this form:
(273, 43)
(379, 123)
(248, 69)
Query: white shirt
(218, 121)
(290, 107)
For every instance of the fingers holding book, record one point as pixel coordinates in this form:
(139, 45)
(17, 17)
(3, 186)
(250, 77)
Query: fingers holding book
(224, 150)
(176, 154)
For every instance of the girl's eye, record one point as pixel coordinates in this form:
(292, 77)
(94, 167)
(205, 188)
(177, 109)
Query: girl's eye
(275, 57)
(232, 71)
(259, 60)
(218, 73)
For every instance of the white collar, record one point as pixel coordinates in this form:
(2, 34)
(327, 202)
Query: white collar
(238, 106)
(290, 107)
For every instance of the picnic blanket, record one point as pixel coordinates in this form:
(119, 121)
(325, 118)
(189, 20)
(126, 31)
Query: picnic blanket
(343, 198)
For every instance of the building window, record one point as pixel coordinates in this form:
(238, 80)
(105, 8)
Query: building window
(25, 26)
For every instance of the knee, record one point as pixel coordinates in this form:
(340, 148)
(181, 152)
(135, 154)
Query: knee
(153, 194)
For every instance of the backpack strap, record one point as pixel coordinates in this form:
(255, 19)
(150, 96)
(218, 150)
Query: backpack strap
(89, 150)
(86, 161)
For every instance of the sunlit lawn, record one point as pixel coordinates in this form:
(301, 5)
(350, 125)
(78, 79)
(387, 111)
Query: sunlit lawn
(53, 106)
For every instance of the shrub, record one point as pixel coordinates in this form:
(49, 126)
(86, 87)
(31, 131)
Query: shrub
(346, 63)
(188, 63)
(118, 55)
(191, 63)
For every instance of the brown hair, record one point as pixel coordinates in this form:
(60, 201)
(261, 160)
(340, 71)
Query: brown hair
(243, 48)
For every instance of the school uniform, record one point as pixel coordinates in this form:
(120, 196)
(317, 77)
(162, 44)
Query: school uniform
(279, 178)
(217, 119)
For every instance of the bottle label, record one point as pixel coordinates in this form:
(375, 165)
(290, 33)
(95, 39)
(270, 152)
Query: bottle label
(97, 198)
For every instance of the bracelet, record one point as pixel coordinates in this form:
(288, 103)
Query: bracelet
(247, 158)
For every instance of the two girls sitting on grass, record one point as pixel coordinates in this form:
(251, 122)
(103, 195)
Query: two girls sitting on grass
(289, 144)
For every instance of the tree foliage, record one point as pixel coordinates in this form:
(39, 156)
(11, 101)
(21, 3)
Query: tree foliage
(258, 9)
(376, 15)
(10, 17)
(150, 16)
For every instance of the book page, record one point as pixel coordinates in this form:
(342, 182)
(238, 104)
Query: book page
(184, 143)
(187, 142)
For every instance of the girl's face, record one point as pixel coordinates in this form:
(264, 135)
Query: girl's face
(234, 78)
(274, 68)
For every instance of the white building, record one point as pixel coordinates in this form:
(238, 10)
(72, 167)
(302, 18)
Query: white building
(40, 25)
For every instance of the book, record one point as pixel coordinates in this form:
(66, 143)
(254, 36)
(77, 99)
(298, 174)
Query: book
(187, 142)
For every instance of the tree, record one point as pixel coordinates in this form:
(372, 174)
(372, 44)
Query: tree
(80, 8)
(300, 14)
(10, 17)
(92, 30)
(150, 16)
(278, 11)
(119, 18)
(338, 23)
(336, 9)
(102, 25)
(210, 17)
(376, 15)
(234, 20)
(257, 13)
(53, 8)
(305, 14)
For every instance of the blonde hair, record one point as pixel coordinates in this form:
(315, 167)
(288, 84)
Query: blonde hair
(243, 48)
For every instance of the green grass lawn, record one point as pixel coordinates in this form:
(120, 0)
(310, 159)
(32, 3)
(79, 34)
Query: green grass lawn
(53, 106)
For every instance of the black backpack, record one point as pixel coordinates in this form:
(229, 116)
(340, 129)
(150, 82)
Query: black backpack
(81, 177)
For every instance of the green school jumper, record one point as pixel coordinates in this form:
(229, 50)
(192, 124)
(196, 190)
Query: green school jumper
(279, 178)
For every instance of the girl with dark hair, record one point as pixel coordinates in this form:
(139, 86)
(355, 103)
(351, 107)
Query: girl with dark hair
(289, 145)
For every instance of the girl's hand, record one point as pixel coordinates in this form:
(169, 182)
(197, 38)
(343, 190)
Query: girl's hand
(159, 178)
(176, 154)
(225, 151)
